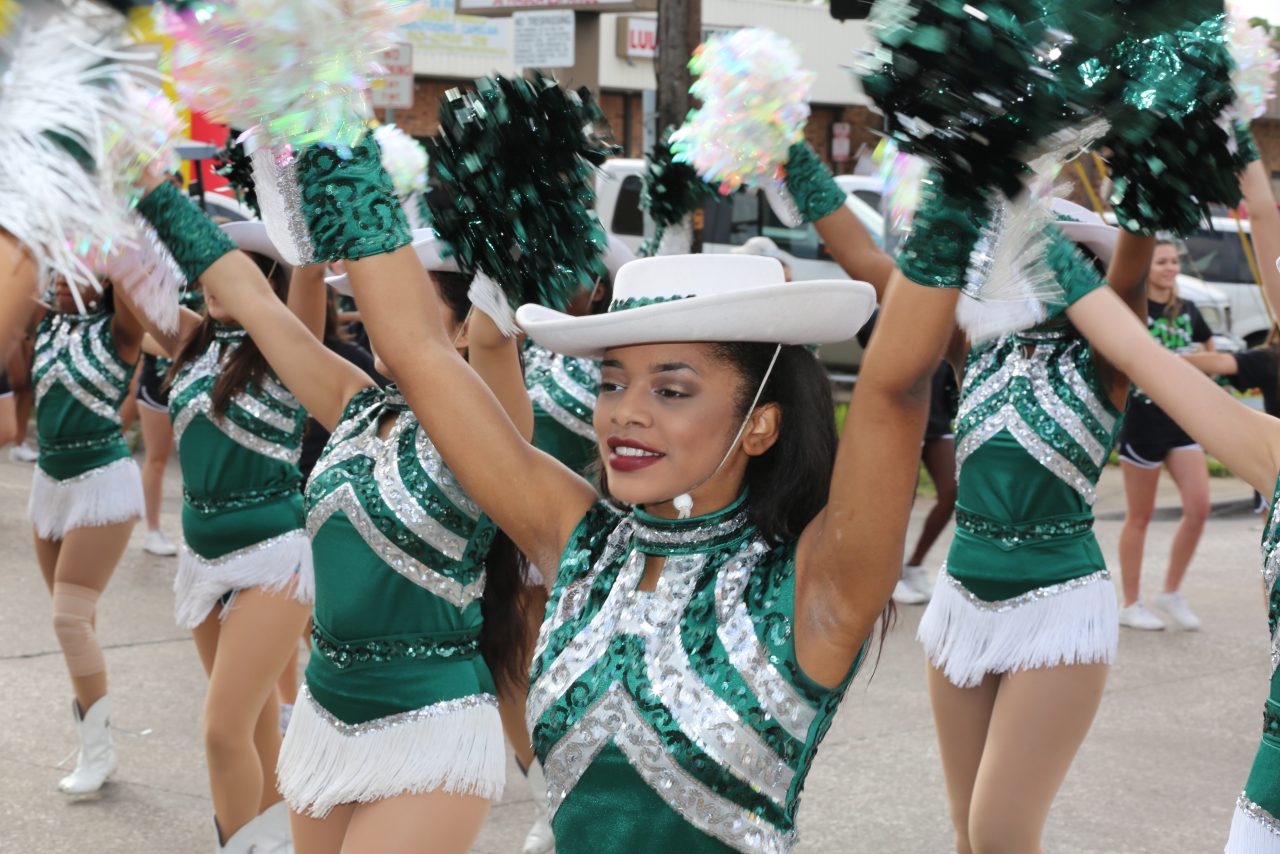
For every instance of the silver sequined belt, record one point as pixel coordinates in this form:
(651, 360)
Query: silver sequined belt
(1012, 534)
(381, 650)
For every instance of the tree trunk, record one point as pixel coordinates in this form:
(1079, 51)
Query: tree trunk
(679, 32)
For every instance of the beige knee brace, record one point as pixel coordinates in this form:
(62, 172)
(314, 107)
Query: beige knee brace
(73, 608)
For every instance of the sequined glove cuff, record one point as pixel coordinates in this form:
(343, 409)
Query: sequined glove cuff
(1245, 144)
(1075, 274)
(189, 235)
(946, 227)
(815, 193)
(349, 205)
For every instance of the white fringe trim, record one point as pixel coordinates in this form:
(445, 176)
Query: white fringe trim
(269, 565)
(455, 746)
(102, 496)
(1250, 833)
(1074, 622)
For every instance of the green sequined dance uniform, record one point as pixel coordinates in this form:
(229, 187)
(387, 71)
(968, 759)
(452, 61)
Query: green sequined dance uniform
(681, 714)
(85, 476)
(397, 698)
(242, 519)
(1255, 827)
(1025, 584)
(563, 390)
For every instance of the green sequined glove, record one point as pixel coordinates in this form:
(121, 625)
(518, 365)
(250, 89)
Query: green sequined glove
(815, 193)
(943, 233)
(349, 204)
(1245, 144)
(189, 235)
(1075, 274)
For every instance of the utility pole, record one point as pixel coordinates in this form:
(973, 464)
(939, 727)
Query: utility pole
(679, 32)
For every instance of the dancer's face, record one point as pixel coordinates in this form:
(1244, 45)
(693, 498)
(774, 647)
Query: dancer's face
(665, 417)
(65, 302)
(1165, 268)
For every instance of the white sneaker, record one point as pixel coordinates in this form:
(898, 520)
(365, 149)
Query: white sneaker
(918, 580)
(156, 543)
(1136, 616)
(905, 594)
(1175, 608)
(23, 453)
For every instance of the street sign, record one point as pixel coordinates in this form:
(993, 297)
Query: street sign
(395, 91)
(542, 39)
(637, 38)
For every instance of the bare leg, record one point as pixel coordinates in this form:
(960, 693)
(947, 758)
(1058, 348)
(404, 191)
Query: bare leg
(129, 409)
(511, 699)
(939, 456)
(321, 835)
(8, 419)
(254, 641)
(1041, 718)
(157, 439)
(20, 381)
(430, 823)
(1140, 501)
(962, 718)
(86, 559)
(287, 684)
(1190, 472)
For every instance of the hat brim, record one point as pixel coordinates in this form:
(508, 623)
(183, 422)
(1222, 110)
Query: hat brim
(813, 312)
(1101, 239)
(425, 244)
(251, 236)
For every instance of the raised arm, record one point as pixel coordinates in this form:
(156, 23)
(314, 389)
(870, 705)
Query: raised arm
(1127, 274)
(850, 555)
(496, 358)
(1264, 223)
(854, 250)
(308, 297)
(17, 293)
(533, 498)
(1246, 441)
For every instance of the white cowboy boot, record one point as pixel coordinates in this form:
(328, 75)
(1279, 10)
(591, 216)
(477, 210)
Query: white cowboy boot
(275, 820)
(266, 833)
(540, 839)
(97, 758)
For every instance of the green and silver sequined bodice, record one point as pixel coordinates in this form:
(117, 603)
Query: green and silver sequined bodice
(563, 391)
(1033, 432)
(399, 564)
(240, 476)
(80, 383)
(679, 714)
(1261, 796)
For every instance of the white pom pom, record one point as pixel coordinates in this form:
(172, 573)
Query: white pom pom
(404, 158)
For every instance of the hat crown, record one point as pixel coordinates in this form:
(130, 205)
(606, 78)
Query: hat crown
(646, 281)
(1076, 213)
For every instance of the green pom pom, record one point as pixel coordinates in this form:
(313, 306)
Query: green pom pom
(233, 164)
(1171, 151)
(513, 169)
(968, 85)
(672, 190)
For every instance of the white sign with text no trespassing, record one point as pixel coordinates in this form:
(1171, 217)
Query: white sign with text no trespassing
(542, 39)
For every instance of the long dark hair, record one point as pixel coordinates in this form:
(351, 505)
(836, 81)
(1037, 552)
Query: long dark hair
(247, 366)
(504, 641)
(788, 484)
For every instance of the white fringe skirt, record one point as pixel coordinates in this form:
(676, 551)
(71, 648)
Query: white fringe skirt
(271, 565)
(455, 746)
(1253, 830)
(106, 495)
(1073, 622)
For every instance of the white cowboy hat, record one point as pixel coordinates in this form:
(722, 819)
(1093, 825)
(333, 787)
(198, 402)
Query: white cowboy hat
(616, 254)
(428, 248)
(718, 297)
(251, 236)
(1087, 228)
(759, 245)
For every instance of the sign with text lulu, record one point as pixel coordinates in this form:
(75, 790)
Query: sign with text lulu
(395, 91)
(637, 38)
(542, 39)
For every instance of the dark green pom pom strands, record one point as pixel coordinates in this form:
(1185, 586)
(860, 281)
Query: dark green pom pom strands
(513, 175)
(672, 190)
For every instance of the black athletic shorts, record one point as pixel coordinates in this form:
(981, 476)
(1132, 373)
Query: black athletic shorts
(5, 388)
(1149, 434)
(150, 394)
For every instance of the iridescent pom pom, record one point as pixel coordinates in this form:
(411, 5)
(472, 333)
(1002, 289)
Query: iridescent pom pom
(514, 163)
(1256, 64)
(298, 69)
(404, 158)
(902, 176)
(142, 133)
(755, 104)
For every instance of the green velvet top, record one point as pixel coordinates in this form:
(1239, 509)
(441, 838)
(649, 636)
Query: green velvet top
(681, 714)
(399, 553)
(80, 383)
(240, 480)
(563, 391)
(1033, 432)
